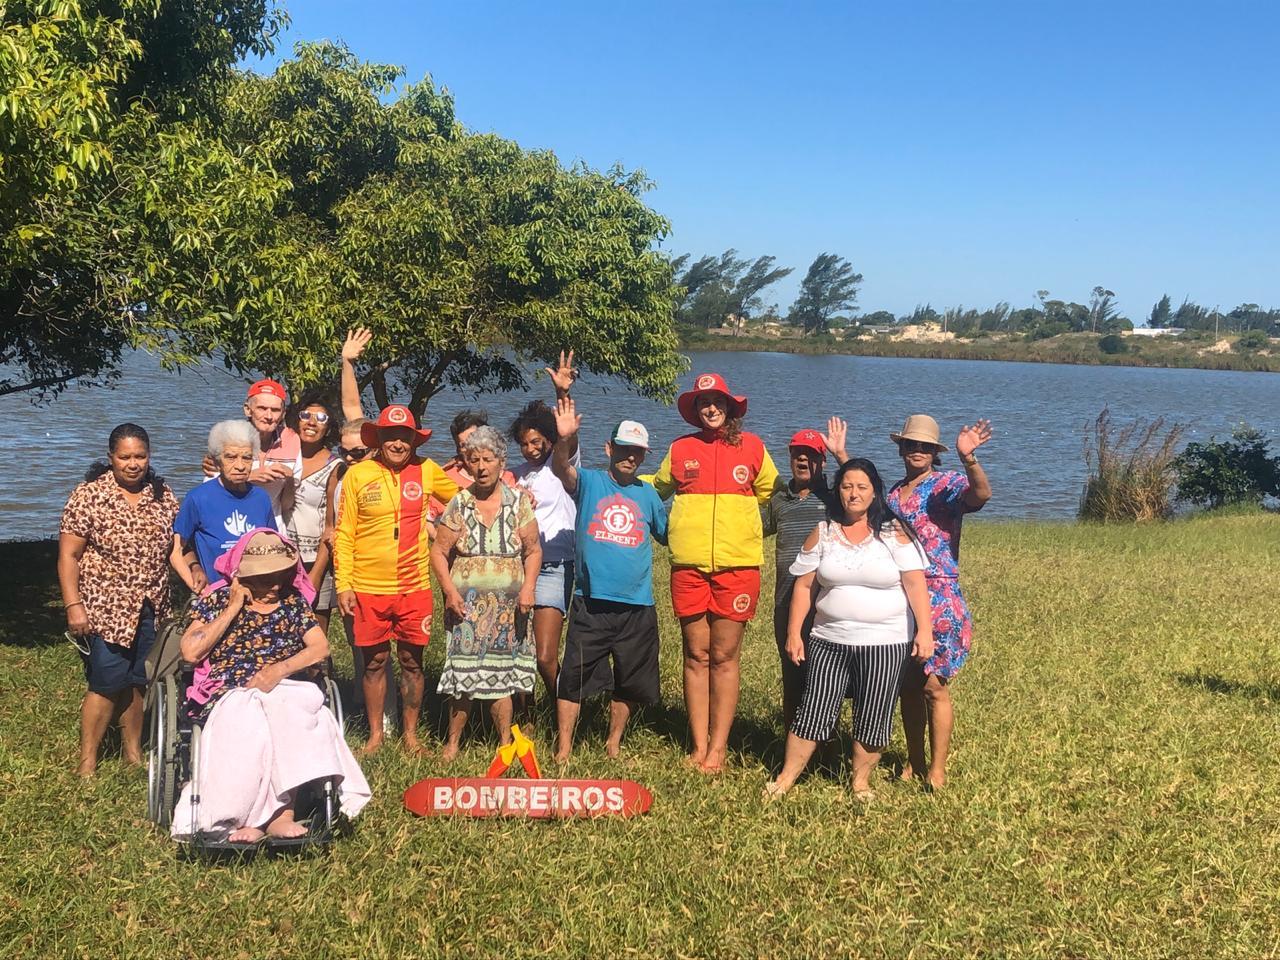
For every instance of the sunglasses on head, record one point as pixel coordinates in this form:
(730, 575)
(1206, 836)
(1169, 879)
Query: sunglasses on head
(319, 416)
(355, 453)
(917, 446)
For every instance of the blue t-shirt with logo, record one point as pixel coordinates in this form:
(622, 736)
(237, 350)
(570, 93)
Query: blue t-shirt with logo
(215, 518)
(615, 532)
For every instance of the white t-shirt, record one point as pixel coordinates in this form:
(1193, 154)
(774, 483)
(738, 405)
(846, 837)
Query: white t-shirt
(860, 598)
(553, 508)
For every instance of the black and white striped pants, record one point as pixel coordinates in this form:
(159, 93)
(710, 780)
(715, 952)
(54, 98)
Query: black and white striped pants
(871, 676)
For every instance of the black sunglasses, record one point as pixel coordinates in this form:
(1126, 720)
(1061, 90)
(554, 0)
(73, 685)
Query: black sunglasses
(917, 446)
(354, 453)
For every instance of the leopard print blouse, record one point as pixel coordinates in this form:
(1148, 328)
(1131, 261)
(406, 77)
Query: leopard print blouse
(126, 558)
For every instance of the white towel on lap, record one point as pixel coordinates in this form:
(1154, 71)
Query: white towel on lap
(255, 748)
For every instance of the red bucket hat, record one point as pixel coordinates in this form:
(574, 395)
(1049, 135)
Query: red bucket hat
(810, 440)
(396, 415)
(702, 384)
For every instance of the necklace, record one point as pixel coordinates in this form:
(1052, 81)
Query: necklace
(395, 500)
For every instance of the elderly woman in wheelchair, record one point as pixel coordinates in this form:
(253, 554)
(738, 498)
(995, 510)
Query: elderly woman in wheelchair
(265, 734)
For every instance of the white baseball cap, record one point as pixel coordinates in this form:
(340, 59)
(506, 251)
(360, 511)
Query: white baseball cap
(630, 433)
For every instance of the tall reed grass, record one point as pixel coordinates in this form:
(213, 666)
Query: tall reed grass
(1131, 469)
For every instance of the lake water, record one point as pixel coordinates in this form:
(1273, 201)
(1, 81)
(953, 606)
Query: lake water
(1035, 461)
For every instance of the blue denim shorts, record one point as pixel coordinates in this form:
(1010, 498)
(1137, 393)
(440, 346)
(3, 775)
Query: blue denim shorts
(555, 586)
(110, 668)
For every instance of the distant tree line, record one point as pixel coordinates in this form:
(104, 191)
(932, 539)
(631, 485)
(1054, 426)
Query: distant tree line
(729, 290)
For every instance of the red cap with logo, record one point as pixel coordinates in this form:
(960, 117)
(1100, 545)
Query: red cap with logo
(810, 440)
(269, 388)
(396, 415)
(703, 383)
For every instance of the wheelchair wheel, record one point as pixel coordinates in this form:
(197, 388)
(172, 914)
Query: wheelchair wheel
(163, 773)
(333, 701)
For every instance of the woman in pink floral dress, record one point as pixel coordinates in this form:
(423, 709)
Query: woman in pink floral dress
(934, 502)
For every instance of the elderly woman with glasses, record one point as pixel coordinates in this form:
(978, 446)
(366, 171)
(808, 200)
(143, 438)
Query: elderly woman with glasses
(487, 556)
(219, 511)
(934, 502)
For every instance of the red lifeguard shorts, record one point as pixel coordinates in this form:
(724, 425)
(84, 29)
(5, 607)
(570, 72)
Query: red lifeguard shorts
(402, 617)
(731, 594)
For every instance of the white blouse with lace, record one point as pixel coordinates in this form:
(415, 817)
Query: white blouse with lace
(860, 596)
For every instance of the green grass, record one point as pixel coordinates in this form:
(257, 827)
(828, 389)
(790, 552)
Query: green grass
(1113, 793)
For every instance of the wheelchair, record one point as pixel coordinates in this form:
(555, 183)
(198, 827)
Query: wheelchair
(174, 755)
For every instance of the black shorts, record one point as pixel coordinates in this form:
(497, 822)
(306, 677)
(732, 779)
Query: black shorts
(598, 630)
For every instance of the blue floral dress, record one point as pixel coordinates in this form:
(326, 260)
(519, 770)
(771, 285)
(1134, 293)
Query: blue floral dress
(490, 652)
(253, 641)
(934, 509)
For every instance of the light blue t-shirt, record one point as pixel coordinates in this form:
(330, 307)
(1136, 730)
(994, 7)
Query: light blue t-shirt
(615, 531)
(216, 518)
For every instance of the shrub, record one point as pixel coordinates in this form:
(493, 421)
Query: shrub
(1238, 470)
(1113, 343)
(1251, 341)
(1131, 475)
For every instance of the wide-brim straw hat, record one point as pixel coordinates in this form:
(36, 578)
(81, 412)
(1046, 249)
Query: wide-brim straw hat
(921, 427)
(396, 415)
(709, 383)
(266, 553)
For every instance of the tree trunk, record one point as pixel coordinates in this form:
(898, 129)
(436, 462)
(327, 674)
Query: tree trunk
(380, 395)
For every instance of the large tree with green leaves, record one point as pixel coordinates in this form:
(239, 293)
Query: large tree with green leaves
(466, 255)
(829, 287)
(122, 210)
(717, 289)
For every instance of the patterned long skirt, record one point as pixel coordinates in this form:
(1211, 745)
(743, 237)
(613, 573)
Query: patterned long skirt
(490, 653)
(952, 627)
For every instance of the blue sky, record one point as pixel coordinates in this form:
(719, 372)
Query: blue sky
(955, 153)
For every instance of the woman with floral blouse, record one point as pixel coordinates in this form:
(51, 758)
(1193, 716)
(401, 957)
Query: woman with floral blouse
(115, 544)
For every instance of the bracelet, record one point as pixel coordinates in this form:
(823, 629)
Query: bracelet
(971, 462)
(73, 603)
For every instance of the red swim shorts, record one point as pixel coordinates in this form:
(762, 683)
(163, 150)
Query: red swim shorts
(731, 594)
(402, 617)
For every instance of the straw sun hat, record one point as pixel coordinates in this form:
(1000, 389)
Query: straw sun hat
(921, 427)
(266, 553)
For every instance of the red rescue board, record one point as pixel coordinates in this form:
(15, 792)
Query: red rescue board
(538, 799)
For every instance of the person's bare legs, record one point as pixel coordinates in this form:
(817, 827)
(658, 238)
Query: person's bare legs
(131, 725)
(374, 682)
(726, 649)
(501, 711)
(799, 753)
(937, 697)
(412, 689)
(567, 712)
(911, 702)
(619, 713)
(459, 711)
(696, 632)
(95, 716)
(865, 760)
(547, 625)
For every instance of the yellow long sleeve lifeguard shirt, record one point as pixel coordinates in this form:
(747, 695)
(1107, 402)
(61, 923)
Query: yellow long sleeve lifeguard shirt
(715, 516)
(383, 538)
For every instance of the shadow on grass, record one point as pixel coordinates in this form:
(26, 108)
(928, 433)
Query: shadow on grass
(30, 612)
(1216, 683)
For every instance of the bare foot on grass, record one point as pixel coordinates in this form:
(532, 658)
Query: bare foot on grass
(413, 747)
(449, 753)
(695, 759)
(612, 749)
(372, 746)
(713, 763)
(245, 835)
(87, 769)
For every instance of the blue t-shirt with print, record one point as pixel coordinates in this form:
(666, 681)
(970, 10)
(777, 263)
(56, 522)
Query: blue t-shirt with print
(215, 518)
(615, 532)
